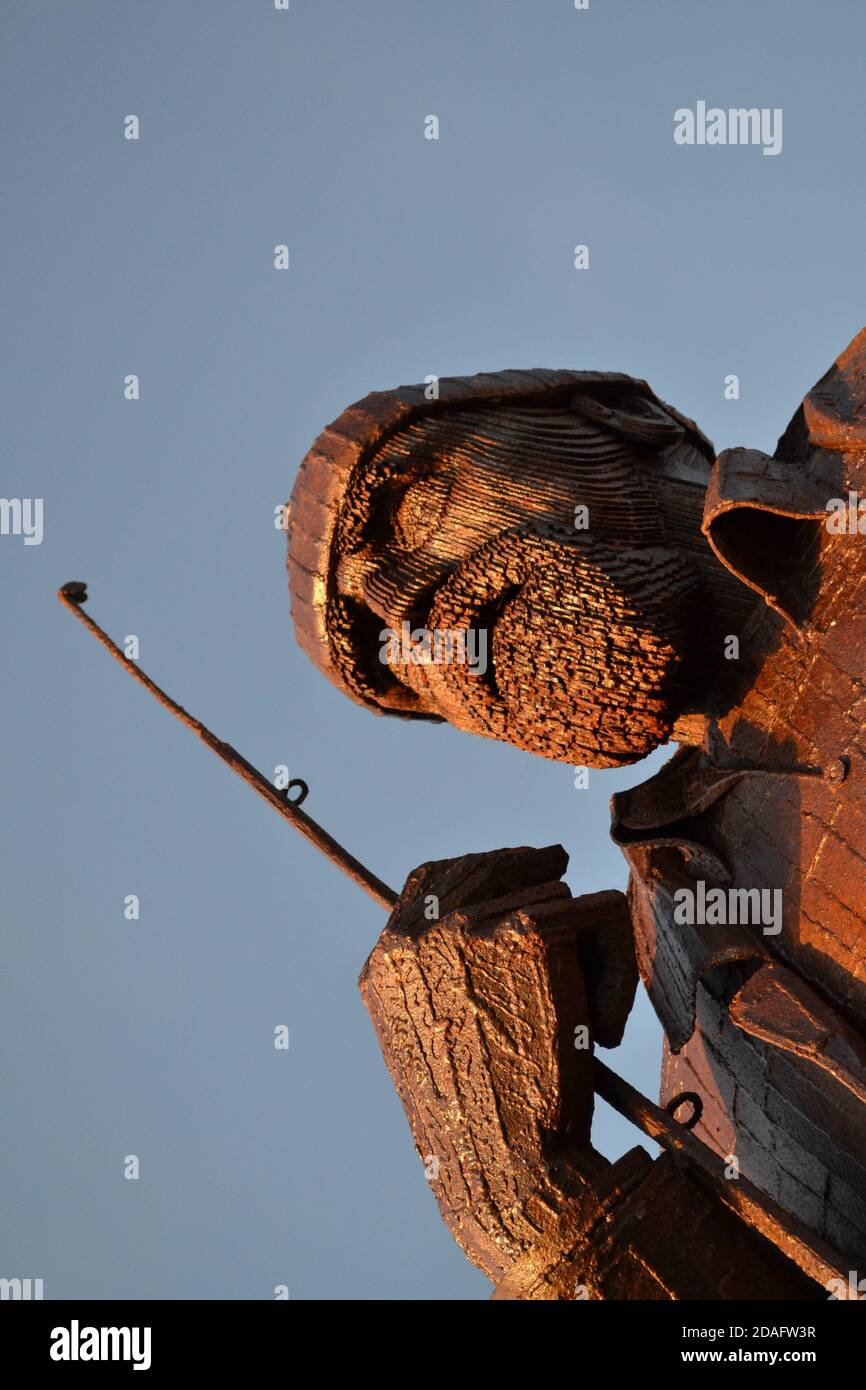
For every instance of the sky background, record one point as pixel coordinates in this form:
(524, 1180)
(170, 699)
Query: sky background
(408, 257)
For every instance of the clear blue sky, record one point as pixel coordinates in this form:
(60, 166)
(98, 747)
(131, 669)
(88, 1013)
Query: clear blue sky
(408, 257)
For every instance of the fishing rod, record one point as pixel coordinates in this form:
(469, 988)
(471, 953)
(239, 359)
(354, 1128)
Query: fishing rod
(73, 596)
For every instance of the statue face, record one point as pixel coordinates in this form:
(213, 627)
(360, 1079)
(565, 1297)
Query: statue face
(519, 563)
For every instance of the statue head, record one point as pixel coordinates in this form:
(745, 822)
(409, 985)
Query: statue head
(520, 555)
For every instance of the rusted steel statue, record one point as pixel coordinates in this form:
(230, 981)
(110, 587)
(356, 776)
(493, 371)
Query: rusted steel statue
(625, 587)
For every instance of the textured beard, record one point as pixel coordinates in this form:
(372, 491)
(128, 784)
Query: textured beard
(585, 642)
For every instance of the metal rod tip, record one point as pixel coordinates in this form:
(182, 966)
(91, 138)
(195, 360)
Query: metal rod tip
(75, 591)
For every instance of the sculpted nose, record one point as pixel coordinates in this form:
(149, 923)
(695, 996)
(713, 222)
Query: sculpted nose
(392, 584)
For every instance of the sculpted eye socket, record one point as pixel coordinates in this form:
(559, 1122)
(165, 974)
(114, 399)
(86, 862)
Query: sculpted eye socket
(369, 518)
(420, 511)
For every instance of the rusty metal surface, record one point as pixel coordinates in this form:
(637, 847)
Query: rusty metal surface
(605, 642)
(476, 1013)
